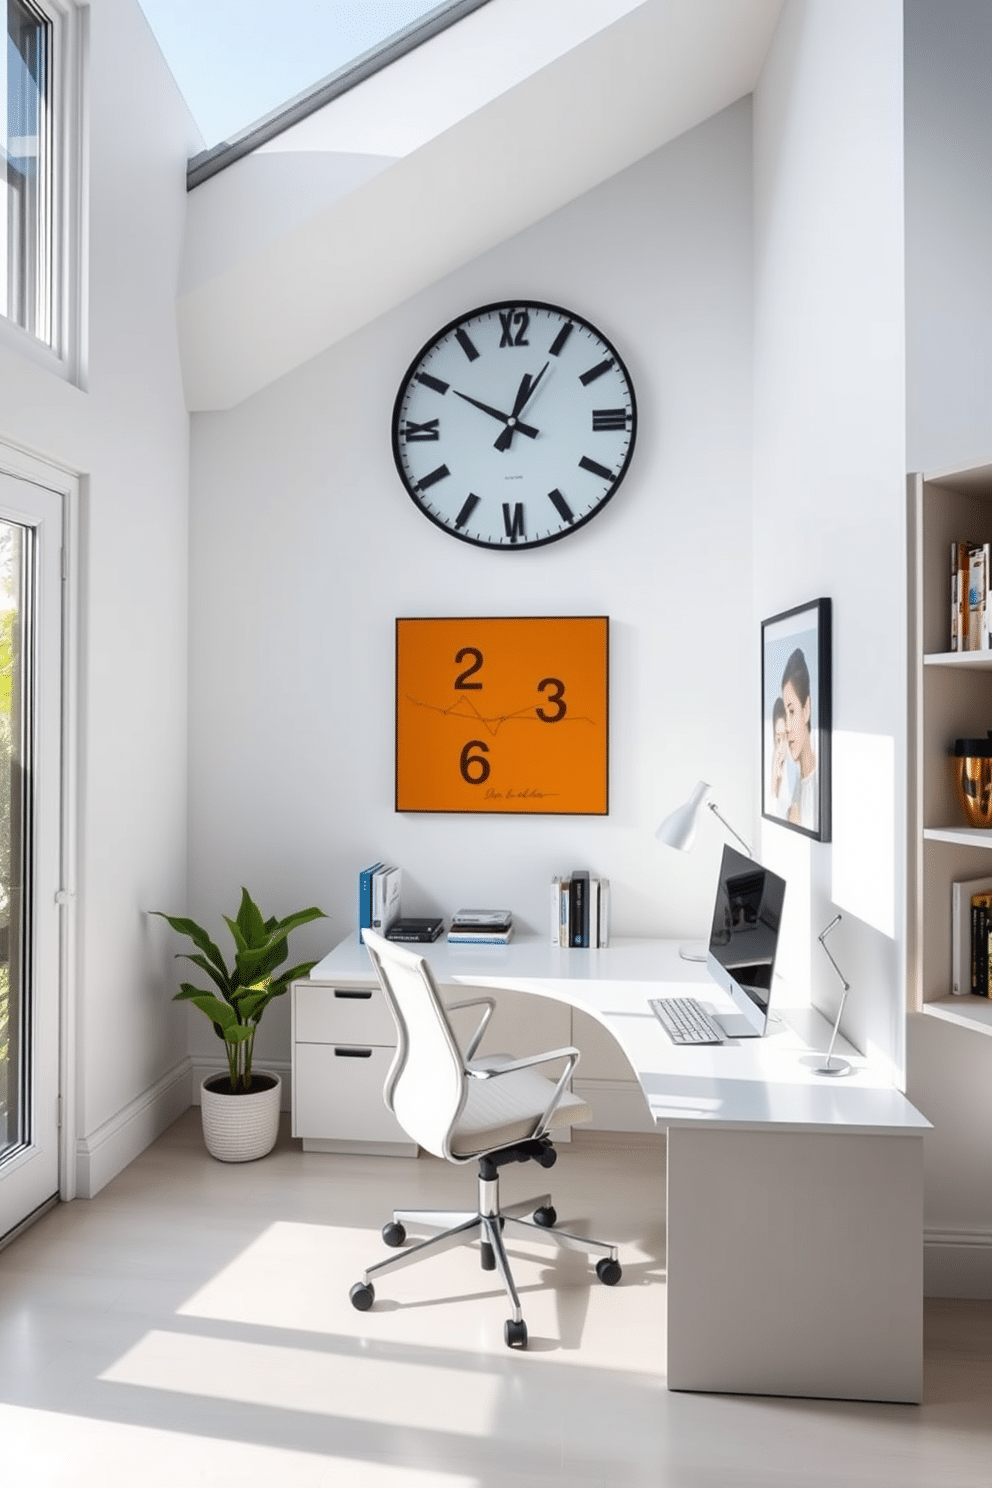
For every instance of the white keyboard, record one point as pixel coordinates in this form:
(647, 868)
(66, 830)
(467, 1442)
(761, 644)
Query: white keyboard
(686, 1021)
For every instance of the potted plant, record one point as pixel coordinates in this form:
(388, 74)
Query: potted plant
(240, 1110)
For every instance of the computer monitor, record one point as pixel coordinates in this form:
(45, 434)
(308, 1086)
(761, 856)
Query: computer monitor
(747, 917)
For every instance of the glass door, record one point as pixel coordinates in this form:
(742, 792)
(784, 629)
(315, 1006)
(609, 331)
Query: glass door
(30, 844)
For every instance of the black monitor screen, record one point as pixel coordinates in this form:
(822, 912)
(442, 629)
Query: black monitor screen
(746, 920)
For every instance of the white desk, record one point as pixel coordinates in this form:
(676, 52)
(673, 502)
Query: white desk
(795, 1201)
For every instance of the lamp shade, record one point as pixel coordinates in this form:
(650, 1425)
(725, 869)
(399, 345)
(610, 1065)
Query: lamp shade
(679, 829)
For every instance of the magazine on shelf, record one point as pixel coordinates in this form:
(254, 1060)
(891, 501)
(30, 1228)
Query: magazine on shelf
(981, 919)
(961, 896)
(971, 603)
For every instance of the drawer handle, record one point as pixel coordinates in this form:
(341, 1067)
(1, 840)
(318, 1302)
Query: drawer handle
(353, 1053)
(353, 992)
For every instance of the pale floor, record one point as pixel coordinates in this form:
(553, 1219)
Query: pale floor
(191, 1327)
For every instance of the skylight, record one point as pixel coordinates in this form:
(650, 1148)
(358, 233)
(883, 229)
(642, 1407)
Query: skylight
(237, 62)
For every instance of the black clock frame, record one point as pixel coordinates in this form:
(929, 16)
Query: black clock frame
(458, 320)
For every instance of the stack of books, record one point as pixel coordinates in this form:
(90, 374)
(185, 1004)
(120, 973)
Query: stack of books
(481, 927)
(378, 898)
(580, 910)
(971, 602)
(971, 926)
(420, 929)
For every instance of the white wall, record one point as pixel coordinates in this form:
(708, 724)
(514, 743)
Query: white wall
(948, 230)
(829, 465)
(305, 549)
(949, 423)
(127, 436)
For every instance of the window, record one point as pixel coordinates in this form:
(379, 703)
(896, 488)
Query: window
(26, 170)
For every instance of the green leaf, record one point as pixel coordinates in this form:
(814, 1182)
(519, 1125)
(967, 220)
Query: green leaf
(302, 917)
(223, 983)
(250, 921)
(197, 935)
(251, 1005)
(218, 1012)
(277, 988)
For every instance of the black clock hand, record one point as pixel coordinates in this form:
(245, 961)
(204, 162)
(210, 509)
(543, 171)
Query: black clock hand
(524, 394)
(504, 418)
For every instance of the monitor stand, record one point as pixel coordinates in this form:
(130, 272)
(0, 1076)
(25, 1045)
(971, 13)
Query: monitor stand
(735, 1025)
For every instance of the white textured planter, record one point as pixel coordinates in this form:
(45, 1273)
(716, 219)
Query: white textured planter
(241, 1128)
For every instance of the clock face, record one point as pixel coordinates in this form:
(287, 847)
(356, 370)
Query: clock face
(503, 715)
(514, 425)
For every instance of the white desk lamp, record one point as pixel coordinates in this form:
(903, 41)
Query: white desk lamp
(831, 1066)
(678, 830)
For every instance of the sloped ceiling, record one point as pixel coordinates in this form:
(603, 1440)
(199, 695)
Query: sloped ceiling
(484, 131)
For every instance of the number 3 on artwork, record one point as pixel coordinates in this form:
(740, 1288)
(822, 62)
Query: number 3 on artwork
(474, 699)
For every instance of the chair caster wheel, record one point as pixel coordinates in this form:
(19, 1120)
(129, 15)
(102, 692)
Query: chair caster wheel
(362, 1295)
(608, 1271)
(394, 1233)
(515, 1333)
(548, 1157)
(546, 1217)
(487, 1256)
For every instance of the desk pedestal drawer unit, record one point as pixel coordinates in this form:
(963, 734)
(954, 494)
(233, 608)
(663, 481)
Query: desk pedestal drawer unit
(343, 1044)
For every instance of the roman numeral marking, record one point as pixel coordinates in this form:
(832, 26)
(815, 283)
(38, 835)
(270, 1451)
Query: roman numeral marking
(467, 345)
(434, 383)
(606, 419)
(586, 464)
(558, 344)
(507, 320)
(513, 520)
(597, 371)
(561, 506)
(471, 502)
(426, 481)
(430, 430)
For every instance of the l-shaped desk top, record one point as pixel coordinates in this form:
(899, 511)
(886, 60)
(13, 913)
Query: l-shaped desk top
(744, 1083)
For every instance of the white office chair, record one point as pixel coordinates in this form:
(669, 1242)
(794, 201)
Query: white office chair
(493, 1110)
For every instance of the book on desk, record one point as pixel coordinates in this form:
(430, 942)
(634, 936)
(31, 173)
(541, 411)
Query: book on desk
(481, 927)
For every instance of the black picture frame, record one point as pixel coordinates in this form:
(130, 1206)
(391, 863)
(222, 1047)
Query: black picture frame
(795, 732)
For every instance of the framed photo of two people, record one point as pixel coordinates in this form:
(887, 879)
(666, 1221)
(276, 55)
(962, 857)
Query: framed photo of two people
(796, 719)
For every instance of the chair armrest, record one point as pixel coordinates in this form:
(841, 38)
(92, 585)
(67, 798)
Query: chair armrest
(489, 1004)
(528, 1061)
(570, 1054)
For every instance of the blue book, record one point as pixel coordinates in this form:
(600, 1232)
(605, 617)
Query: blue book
(365, 900)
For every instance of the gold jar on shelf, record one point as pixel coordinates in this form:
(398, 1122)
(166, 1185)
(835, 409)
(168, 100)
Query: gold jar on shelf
(971, 765)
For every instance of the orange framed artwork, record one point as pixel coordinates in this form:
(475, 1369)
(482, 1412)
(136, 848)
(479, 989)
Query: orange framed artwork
(503, 715)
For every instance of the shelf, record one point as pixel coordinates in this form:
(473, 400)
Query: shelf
(978, 661)
(967, 1012)
(960, 836)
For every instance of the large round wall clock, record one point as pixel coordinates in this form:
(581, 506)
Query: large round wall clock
(514, 425)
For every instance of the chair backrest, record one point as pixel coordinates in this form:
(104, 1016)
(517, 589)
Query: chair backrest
(425, 1086)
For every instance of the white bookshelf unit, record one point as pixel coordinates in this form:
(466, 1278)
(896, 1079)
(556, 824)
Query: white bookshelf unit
(950, 696)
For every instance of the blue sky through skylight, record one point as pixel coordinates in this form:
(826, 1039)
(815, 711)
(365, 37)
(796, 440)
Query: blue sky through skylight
(237, 60)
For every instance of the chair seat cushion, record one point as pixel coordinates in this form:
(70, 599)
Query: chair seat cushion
(504, 1110)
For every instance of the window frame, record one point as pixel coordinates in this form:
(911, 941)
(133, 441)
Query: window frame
(62, 351)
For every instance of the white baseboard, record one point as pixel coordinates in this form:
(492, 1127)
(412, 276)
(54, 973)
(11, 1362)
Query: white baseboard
(203, 1068)
(957, 1263)
(107, 1151)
